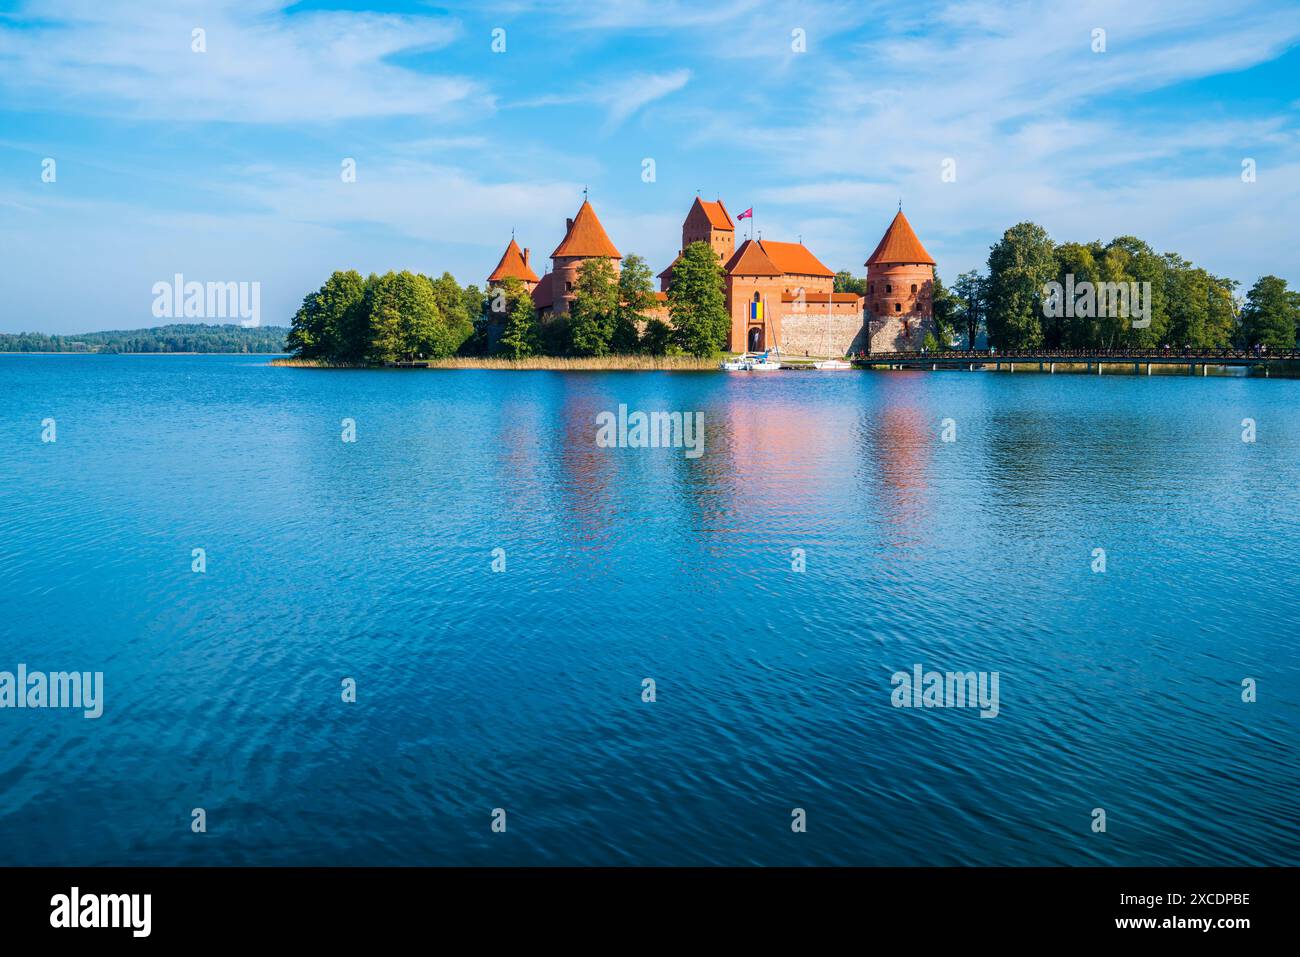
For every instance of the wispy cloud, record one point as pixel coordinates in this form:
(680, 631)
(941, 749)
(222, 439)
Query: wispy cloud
(259, 66)
(619, 98)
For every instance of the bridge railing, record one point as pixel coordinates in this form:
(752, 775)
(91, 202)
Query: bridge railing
(1067, 355)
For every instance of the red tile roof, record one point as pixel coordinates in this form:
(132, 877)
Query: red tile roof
(512, 264)
(899, 245)
(668, 273)
(586, 237)
(750, 260)
(795, 258)
(715, 212)
(763, 257)
(543, 295)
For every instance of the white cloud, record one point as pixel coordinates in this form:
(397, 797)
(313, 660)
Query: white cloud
(619, 98)
(260, 66)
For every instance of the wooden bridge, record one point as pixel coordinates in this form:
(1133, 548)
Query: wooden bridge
(1141, 360)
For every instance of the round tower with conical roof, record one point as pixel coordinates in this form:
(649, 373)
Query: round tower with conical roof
(900, 286)
(584, 238)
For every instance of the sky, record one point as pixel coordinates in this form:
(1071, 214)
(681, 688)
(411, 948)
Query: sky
(227, 165)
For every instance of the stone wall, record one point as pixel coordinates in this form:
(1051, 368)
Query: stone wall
(899, 333)
(821, 336)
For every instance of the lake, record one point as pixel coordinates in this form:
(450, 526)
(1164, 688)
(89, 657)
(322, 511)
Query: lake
(826, 539)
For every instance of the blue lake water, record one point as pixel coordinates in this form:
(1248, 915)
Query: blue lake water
(522, 689)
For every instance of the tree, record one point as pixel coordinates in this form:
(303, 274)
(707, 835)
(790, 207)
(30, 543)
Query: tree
(521, 336)
(322, 326)
(697, 303)
(636, 299)
(456, 324)
(594, 309)
(968, 291)
(845, 281)
(1271, 314)
(1149, 271)
(1020, 264)
(657, 338)
(403, 318)
(945, 307)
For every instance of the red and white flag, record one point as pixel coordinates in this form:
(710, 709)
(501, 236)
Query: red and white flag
(747, 214)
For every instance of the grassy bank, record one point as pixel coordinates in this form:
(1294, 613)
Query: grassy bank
(560, 363)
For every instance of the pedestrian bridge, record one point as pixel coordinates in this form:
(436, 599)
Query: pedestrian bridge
(1046, 360)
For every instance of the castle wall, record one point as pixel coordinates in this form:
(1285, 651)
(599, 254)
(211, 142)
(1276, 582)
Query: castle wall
(823, 333)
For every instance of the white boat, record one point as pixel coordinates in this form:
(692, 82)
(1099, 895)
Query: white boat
(825, 364)
(734, 365)
(762, 364)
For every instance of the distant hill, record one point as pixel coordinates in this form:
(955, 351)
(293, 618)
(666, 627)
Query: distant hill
(192, 337)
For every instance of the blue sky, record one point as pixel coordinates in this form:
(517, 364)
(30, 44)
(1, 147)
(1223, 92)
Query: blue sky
(226, 165)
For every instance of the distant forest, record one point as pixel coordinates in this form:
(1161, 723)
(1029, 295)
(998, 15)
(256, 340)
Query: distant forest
(191, 337)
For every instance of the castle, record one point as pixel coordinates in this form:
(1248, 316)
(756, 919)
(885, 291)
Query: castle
(778, 294)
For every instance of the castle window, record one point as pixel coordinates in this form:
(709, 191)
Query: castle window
(898, 307)
(871, 287)
(914, 289)
(568, 287)
(889, 288)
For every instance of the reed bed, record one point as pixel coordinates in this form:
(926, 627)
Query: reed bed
(559, 363)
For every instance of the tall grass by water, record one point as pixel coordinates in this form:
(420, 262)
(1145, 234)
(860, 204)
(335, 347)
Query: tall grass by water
(561, 363)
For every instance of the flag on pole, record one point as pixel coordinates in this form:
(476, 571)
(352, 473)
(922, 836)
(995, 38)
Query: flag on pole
(747, 214)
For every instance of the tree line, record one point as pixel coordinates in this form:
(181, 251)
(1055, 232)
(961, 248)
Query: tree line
(182, 337)
(1020, 301)
(407, 316)
(403, 317)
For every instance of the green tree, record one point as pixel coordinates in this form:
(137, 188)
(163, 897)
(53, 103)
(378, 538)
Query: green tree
(521, 336)
(1222, 322)
(636, 299)
(457, 325)
(594, 309)
(1020, 264)
(845, 281)
(1271, 314)
(968, 291)
(323, 327)
(945, 306)
(403, 318)
(697, 303)
(1188, 298)
(657, 338)
(1148, 270)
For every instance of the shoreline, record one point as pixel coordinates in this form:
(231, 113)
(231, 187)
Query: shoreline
(533, 363)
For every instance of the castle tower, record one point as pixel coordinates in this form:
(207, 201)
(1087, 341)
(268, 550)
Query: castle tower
(584, 239)
(706, 222)
(514, 264)
(900, 286)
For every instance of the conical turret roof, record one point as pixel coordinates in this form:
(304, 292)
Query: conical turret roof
(899, 245)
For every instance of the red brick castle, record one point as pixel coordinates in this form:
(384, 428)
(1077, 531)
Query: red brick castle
(778, 293)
